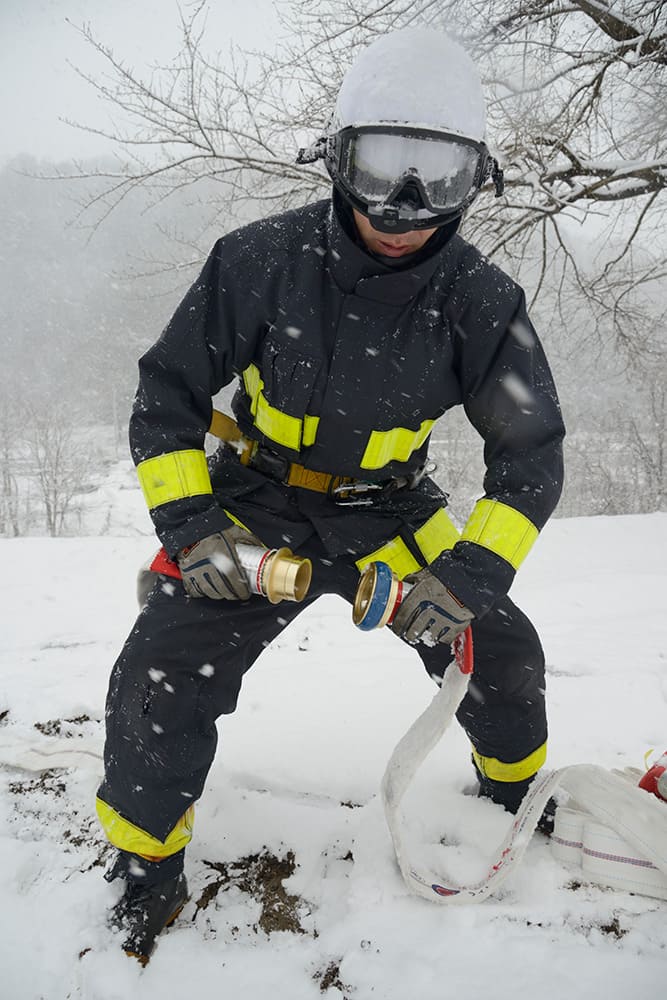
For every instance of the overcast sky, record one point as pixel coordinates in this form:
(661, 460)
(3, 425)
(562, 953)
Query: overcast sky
(38, 86)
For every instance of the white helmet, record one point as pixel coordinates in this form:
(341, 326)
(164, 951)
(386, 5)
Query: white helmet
(405, 144)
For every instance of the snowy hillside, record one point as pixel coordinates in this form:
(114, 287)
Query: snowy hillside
(295, 892)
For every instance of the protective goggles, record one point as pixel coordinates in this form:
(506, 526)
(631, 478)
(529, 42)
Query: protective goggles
(429, 173)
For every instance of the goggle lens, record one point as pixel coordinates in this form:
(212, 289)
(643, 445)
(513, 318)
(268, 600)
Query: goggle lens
(374, 162)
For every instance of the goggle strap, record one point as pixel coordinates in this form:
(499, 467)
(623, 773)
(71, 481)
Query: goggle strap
(316, 151)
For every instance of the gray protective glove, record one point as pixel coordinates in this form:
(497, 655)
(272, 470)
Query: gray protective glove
(211, 567)
(430, 613)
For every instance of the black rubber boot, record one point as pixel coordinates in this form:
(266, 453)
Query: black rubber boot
(144, 910)
(510, 794)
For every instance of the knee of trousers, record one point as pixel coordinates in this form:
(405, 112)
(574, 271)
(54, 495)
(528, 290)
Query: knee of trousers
(505, 639)
(504, 711)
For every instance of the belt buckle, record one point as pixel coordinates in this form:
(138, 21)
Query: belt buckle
(271, 464)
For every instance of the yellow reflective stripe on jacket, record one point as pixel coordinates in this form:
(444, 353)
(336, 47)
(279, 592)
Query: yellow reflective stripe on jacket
(436, 535)
(395, 445)
(253, 386)
(502, 530)
(310, 425)
(174, 476)
(397, 556)
(128, 837)
(291, 432)
(519, 770)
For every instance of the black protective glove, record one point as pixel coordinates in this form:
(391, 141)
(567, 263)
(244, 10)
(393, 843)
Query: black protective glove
(211, 567)
(430, 613)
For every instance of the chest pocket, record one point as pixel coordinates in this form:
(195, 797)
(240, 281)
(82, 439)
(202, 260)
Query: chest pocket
(280, 392)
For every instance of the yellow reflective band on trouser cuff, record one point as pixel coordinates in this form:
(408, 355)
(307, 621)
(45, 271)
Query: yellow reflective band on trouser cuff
(519, 770)
(501, 529)
(395, 445)
(128, 837)
(291, 432)
(174, 476)
(396, 555)
(436, 535)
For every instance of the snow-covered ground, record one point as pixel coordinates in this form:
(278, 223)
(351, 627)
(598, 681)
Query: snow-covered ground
(290, 833)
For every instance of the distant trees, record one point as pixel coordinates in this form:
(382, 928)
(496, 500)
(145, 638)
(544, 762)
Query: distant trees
(46, 465)
(57, 461)
(10, 430)
(72, 323)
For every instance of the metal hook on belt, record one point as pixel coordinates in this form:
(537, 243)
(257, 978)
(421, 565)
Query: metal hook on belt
(346, 493)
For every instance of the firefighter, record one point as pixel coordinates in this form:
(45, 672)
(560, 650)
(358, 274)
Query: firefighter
(351, 326)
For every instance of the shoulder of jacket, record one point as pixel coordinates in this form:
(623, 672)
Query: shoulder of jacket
(480, 296)
(286, 233)
(476, 271)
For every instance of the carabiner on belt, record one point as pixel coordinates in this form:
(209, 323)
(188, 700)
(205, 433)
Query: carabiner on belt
(353, 494)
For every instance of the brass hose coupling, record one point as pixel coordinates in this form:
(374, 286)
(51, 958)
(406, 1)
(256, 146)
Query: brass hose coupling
(276, 574)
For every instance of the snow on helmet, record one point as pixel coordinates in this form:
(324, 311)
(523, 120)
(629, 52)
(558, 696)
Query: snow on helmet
(405, 144)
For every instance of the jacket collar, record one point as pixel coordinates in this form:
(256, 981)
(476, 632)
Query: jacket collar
(357, 272)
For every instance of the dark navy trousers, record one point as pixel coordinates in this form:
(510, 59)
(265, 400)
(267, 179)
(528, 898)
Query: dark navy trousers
(182, 667)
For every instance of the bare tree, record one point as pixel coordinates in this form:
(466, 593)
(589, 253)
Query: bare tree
(10, 435)
(647, 443)
(56, 460)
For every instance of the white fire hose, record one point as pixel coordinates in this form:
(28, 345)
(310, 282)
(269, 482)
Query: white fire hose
(621, 828)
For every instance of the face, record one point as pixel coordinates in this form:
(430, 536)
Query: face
(387, 244)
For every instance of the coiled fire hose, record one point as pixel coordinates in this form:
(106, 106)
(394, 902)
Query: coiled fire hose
(639, 818)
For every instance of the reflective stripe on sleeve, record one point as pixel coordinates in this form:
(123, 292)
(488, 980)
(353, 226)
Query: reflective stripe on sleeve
(128, 837)
(501, 529)
(235, 520)
(433, 537)
(395, 445)
(519, 770)
(436, 535)
(174, 476)
(396, 555)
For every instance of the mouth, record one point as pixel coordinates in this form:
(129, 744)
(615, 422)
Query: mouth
(393, 249)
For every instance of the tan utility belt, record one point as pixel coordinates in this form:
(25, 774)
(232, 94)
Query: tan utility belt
(343, 489)
(264, 460)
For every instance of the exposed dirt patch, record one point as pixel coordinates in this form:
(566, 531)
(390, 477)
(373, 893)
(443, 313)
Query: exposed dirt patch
(63, 727)
(329, 978)
(614, 929)
(41, 804)
(260, 876)
(47, 783)
(3, 715)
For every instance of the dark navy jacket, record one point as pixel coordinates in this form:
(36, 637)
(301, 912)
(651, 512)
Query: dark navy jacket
(358, 347)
